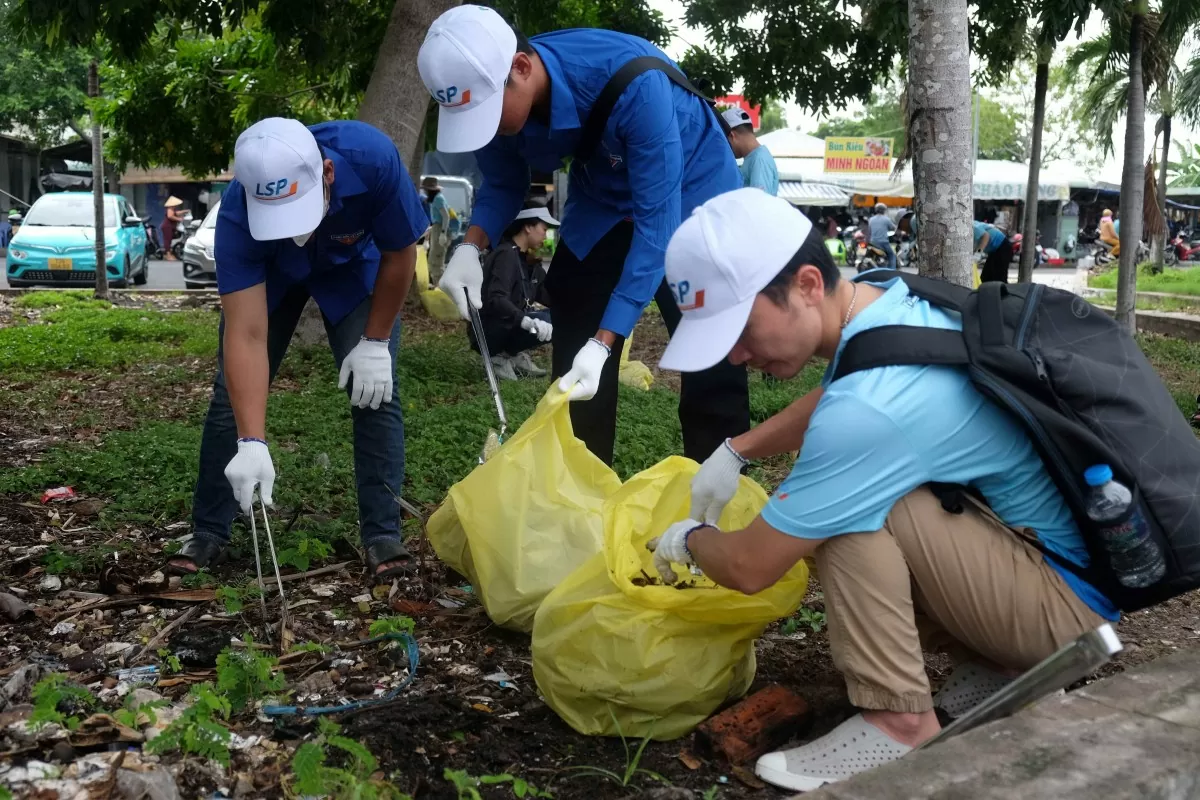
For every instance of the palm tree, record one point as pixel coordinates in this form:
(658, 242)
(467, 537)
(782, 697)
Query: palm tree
(1173, 93)
(1187, 168)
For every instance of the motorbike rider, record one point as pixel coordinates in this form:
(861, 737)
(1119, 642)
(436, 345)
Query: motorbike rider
(173, 216)
(880, 226)
(1108, 232)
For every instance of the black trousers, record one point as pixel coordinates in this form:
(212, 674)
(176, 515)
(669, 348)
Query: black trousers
(995, 267)
(713, 404)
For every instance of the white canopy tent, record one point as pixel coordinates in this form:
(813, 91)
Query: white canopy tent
(994, 180)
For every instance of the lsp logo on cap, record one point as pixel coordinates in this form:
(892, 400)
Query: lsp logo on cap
(683, 290)
(274, 190)
(447, 97)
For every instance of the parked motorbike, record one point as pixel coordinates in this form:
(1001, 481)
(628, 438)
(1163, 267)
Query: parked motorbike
(1182, 248)
(154, 250)
(904, 251)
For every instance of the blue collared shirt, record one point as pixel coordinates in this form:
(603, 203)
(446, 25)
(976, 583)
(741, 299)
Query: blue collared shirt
(662, 154)
(758, 170)
(373, 206)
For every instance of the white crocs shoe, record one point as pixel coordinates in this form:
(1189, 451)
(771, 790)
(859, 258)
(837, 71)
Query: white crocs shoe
(968, 686)
(524, 363)
(854, 746)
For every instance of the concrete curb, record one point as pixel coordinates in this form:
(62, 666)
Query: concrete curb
(1166, 323)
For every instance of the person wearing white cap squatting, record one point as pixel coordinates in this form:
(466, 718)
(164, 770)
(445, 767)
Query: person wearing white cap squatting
(758, 165)
(327, 212)
(646, 149)
(897, 568)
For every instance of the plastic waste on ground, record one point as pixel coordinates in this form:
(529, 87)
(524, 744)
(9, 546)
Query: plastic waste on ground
(523, 521)
(615, 652)
(435, 302)
(633, 373)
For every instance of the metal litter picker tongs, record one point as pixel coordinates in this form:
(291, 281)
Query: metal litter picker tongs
(284, 635)
(491, 445)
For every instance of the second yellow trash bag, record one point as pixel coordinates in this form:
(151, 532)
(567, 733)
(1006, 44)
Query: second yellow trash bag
(617, 653)
(520, 523)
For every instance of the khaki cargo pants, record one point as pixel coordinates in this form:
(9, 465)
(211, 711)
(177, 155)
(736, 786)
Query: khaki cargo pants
(964, 582)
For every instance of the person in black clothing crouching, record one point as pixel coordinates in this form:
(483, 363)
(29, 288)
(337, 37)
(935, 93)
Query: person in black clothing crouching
(512, 284)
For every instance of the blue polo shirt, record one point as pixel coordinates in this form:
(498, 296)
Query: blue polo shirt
(878, 434)
(373, 206)
(995, 236)
(662, 154)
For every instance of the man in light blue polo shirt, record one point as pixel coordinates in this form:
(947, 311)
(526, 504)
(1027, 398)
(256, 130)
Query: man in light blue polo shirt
(897, 569)
(758, 165)
(520, 103)
(327, 212)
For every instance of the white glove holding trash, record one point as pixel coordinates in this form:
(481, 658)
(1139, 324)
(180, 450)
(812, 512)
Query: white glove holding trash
(671, 548)
(463, 271)
(716, 483)
(583, 379)
(249, 468)
(538, 327)
(371, 364)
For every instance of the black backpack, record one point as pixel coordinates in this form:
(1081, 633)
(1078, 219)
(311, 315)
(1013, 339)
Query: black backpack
(1086, 395)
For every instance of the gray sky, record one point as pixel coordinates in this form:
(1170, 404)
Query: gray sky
(807, 121)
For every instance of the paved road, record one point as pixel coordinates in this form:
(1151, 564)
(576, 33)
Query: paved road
(163, 275)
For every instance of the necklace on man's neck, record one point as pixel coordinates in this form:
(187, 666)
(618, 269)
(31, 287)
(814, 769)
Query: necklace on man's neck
(850, 308)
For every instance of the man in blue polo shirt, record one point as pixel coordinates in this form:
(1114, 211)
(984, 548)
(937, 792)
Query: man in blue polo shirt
(993, 243)
(326, 212)
(521, 103)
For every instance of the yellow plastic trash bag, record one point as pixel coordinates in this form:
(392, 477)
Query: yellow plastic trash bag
(617, 653)
(634, 373)
(435, 302)
(523, 521)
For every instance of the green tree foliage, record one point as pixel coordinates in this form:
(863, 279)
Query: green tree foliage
(1186, 171)
(772, 118)
(635, 17)
(823, 55)
(42, 91)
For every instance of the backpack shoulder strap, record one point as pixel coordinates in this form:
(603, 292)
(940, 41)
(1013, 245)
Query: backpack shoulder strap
(892, 345)
(593, 128)
(941, 293)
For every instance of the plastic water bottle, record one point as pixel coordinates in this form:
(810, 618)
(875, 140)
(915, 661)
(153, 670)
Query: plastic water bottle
(1136, 558)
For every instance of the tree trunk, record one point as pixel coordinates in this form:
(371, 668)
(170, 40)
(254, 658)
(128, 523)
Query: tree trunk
(98, 185)
(396, 100)
(1029, 250)
(939, 97)
(1159, 245)
(1132, 179)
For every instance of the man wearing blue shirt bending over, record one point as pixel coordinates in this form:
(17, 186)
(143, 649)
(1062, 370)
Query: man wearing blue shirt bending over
(642, 157)
(898, 570)
(327, 212)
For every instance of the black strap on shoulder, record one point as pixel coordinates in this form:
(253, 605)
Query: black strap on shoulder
(892, 345)
(593, 128)
(938, 292)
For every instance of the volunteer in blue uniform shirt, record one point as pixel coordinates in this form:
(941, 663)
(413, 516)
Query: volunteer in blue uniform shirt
(521, 103)
(328, 212)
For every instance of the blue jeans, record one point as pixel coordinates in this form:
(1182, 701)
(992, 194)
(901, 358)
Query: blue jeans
(891, 254)
(378, 435)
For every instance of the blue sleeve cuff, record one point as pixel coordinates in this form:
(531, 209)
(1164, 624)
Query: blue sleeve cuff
(622, 315)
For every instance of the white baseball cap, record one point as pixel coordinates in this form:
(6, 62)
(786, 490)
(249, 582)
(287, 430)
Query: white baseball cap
(718, 261)
(279, 164)
(539, 213)
(464, 62)
(735, 116)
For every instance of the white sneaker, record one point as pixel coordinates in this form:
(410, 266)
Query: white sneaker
(503, 367)
(524, 363)
(854, 746)
(968, 686)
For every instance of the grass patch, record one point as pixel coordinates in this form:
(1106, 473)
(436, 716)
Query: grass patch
(1170, 281)
(149, 469)
(81, 335)
(60, 299)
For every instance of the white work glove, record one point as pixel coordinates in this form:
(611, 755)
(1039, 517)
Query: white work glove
(583, 379)
(463, 271)
(671, 548)
(539, 327)
(716, 483)
(249, 468)
(371, 364)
